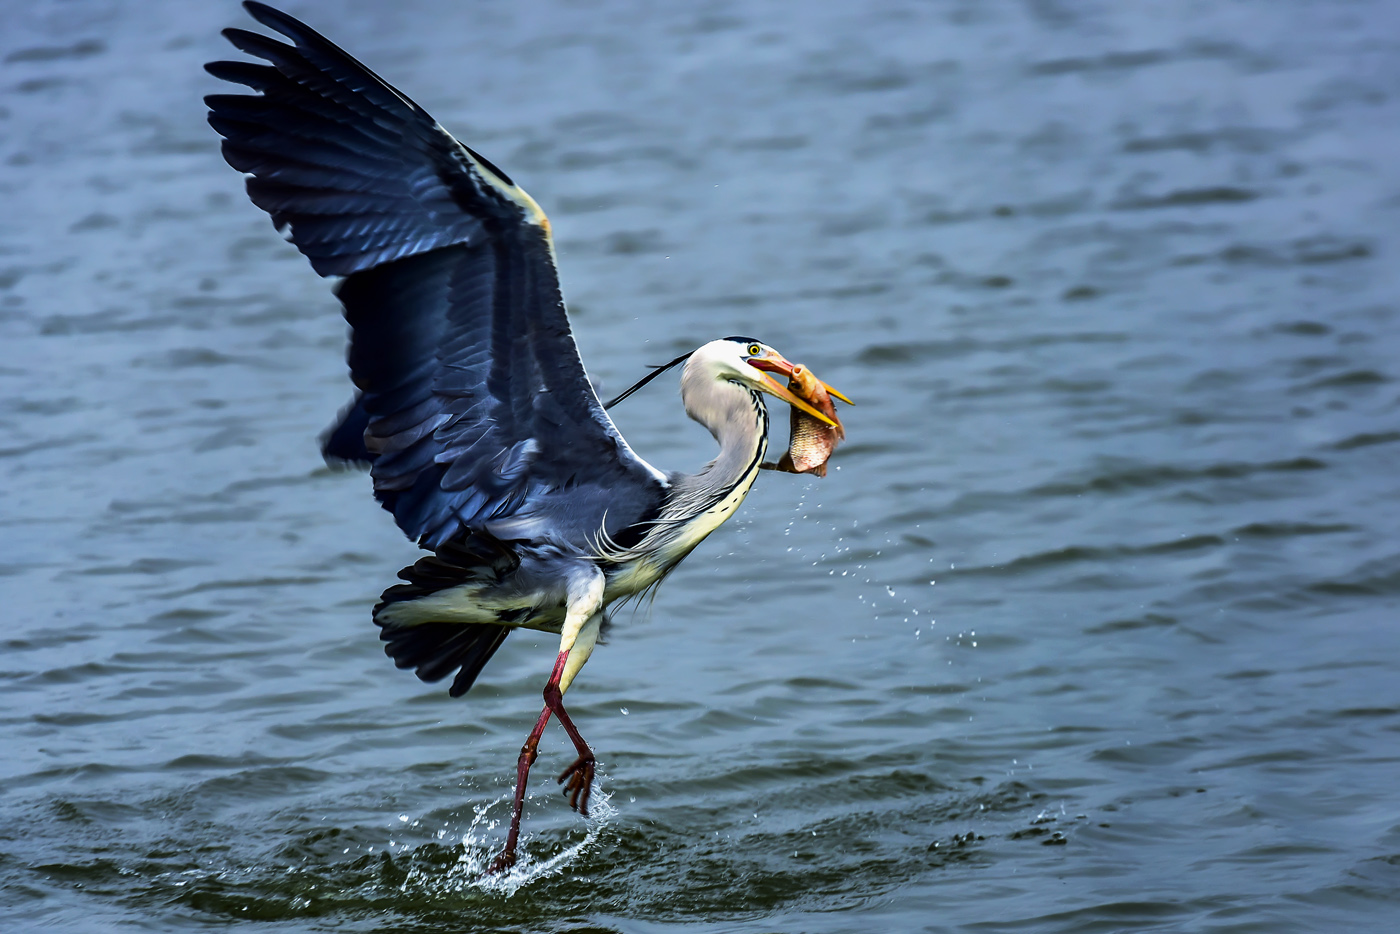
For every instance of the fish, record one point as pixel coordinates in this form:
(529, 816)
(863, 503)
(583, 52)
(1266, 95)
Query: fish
(810, 443)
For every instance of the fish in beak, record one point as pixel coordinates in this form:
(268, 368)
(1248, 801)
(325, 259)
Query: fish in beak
(774, 362)
(814, 433)
(777, 363)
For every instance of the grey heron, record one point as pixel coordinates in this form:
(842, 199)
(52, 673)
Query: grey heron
(482, 433)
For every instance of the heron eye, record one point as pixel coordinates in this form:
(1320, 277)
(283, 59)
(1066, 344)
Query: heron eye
(755, 350)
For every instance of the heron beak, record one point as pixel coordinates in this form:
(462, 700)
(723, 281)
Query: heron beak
(779, 364)
(768, 384)
(831, 390)
(771, 385)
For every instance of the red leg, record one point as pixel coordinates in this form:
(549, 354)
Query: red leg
(580, 774)
(528, 752)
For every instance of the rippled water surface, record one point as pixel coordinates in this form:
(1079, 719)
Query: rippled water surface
(1094, 629)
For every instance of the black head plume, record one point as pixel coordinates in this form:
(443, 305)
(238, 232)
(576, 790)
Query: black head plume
(655, 372)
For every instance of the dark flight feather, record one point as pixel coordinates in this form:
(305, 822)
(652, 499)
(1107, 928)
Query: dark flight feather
(474, 410)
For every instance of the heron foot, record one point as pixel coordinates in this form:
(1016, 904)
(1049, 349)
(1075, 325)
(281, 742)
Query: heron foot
(580, 786)
(503, 863)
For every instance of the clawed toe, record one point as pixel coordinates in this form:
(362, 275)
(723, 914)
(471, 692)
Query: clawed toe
(504, 863)
(580, 786)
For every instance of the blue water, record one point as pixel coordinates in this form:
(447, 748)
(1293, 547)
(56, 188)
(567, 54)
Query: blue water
(1093, 629)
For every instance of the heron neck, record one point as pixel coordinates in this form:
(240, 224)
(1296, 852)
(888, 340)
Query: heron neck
(696, 504)
(738, 419)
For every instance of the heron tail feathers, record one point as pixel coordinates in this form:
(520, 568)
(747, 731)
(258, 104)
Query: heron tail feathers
(434, 649)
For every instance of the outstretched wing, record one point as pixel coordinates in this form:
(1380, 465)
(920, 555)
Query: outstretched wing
(474, 409)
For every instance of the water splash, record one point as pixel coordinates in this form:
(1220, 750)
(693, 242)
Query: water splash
(479, 851)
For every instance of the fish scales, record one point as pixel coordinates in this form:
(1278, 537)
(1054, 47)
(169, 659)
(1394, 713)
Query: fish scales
(810, 442)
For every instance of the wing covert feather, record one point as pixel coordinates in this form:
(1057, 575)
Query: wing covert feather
(475, 407)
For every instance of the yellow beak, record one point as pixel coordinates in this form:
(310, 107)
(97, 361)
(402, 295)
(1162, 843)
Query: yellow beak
(771, 385)
(776, 363)
(839, 395)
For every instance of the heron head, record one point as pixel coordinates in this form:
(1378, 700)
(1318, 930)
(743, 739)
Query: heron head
(749, 362)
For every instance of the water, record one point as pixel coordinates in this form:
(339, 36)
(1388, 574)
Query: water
(1094, 629)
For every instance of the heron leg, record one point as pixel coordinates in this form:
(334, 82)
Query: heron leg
(580, 633)
(580, 774)
(528, 753)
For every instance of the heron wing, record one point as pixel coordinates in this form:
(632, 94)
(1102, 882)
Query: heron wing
(474, 409)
